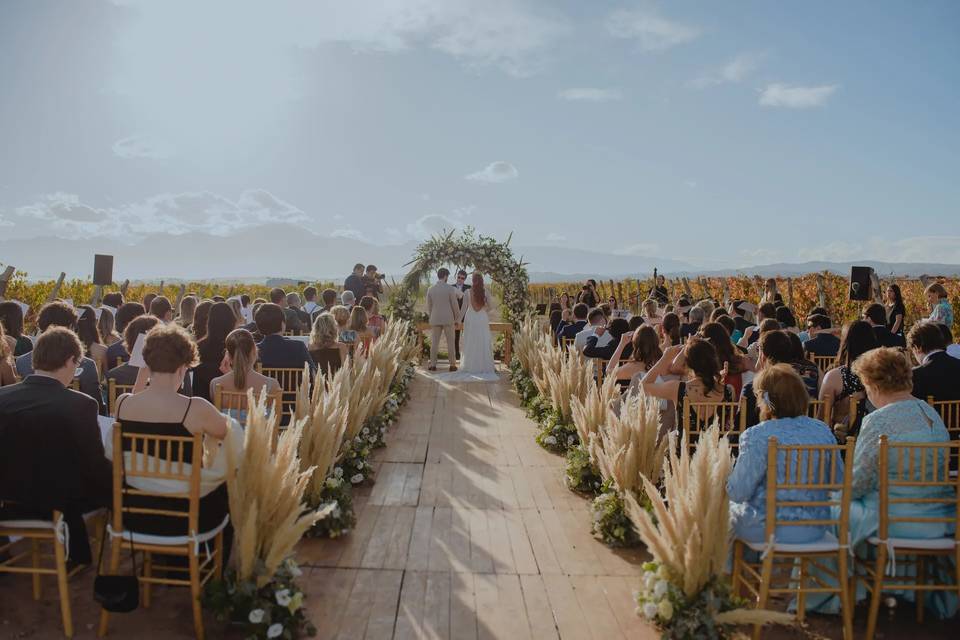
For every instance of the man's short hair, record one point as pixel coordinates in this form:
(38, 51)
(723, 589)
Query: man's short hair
(57, 314)
(696, 315)
(768, 310)
(367, 303)
(293, 299)
(776, 347)
(54, 347)
(358, 267)
(160, 307)
(876, 314)
(819, 321)
(442, 273)
(310, 293)
(269, 318)
(926, 337)
(277, 295)
(113, 299)
(127, 312)
(371, 268)
(329, 296)
(580, 311)
(596, 312)
(244, 299)
(139, 325)
(462, 272)
(348, 298)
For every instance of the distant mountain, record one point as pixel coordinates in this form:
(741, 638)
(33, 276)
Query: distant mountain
(289, 251)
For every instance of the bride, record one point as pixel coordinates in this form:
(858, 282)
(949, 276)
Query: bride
(476, 346)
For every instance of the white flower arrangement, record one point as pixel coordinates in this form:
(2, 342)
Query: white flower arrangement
(275, 630)
(357, 479)
(256, 616)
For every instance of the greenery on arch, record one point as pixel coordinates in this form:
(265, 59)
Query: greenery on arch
(466, 249)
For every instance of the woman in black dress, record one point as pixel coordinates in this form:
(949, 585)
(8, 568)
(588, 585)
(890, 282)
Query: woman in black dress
(212, 347)
(896, 310)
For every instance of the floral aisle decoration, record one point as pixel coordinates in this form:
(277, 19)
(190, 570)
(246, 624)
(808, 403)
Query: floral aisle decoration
(626, 449)
(687, 530)
(467, 248)
(589, 414)
(267, 490)
(565, 376)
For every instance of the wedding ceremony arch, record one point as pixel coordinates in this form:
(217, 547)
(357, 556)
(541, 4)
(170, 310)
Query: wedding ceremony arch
(493, 259)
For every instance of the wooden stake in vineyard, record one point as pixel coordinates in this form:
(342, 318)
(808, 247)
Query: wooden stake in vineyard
(96, 296)
(5, 278)
(180, 294)
(686, 287)
(821, 291)
(124, 287)
(726, 292)
(875, 285)
(56, 288)
(790, 292)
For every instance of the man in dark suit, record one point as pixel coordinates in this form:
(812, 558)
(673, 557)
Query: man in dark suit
(275, 350)
(938, 374)
(461, 286)
(580, 311)
(354, 282)
(876, 315)
(127, 312)
(291, 319)
(60, 314)
(822, 342)
(51, 451)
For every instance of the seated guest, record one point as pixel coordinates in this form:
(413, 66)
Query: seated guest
(160, 409)
(329, 297)
(566, 319)
(775, 348)
(595, 319)
(51, 452)
(727, 323)
(782, 400)
(199, 326)
(89, 334)
(690, 328)
(161, 308)
(211, 348)
(8, 371)
(555, 317)
(787, 320)
(341, 316)
(188, 308)
(731, 360)
(107, 326)
(11, 317)
(294, 304)
(114, 300)
(767, 311)
(876, 315)
(375, 322)
(291, 318)
(241, 357)
(358, 324)
(941, 310)
(277, 351)
(246, 311)
(953, 349)
(348, 299)
(651, 313)
(565, 302)
(768, 324)
(237, 309)
(310, 300)
(127, 373)
(60, 314)
(816, 311)
(840, 384)
(117, 352)
(938, 374)
(148, 300)
(669, 330)
(643, 348)
(821, 342)
(807, 370)
(737, 313)
(609, 334)
(635, 322)
(570, 331)
(325, 348)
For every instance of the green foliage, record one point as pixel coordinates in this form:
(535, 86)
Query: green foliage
(556, 435)
(610, 521)
(339, 490)
(581, 474)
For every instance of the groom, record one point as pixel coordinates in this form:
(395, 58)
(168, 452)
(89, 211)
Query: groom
(444, 311)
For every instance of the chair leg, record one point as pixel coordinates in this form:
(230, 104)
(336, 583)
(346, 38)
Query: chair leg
(918, 594)
(35, 560)
(766, 575)
(218, 549)
(875, 591)
(60, 555)
(846, 598)
(195, 594)
(801, 591)
(735, 575)
(114, 566)
(147, 573)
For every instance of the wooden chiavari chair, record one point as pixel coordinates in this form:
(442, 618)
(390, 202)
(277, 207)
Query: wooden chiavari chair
(233, 402)
(75, 384)
(177, 459)
(804, 469)
(37, 532)
(290, 333)
(567, 343)
(905, 467)
(949, 411)
(698, 416)
(824, 363)
(114, 391)
(821, 410)
(289, 379)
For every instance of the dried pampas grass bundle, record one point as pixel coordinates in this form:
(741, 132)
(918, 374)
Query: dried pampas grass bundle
(570, 380)
(266, 490)
(626, 449)
(590, 412)
(323, 432)
(529, 341)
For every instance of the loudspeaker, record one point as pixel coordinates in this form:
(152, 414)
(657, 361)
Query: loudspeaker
(860, 285)
(102, 270)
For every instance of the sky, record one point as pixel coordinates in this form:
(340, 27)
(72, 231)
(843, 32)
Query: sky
(721, 134)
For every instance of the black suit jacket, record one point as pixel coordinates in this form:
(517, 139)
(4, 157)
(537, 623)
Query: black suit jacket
(279, 352)
(939, 377)
(885, 338)
(51, 454)
(114, 351)
(464, 290)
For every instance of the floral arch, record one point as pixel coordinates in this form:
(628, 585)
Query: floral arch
(468, 249)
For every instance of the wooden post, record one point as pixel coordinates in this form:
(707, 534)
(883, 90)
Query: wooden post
(620, 297)
(726, 292)
(875, 285)
(124, 287)
(821, 291)
(180, 294)
(704, 288)
(56, 288)
(160, 293)
(5, 278)
(926, 280)
(758, 283)
(790, 293)
(686, 287)
(97, 295)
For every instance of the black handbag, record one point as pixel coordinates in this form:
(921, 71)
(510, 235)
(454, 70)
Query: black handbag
(117, 594)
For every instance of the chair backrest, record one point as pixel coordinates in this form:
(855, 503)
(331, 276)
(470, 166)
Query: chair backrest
(157, 457)
(821, 410)
(568, 342)
(289, 379)
(949, 411)
(290, 333)
(905, 467)
(810, 468)
(75, 384)
(824, 363)
(114, 391)
(698, 416)
(225, 400)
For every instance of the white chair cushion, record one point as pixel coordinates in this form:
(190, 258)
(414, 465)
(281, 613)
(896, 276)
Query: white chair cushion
(933, 544)
(26, 524)
(146, 538)
(828, 542)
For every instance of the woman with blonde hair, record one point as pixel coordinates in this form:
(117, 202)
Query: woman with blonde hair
(651, 312)
(341, 316)
(239, 361)
(325, 348)
(188, 308)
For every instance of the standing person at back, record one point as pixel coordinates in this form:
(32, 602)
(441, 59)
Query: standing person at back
(354, 282)
(443, 307)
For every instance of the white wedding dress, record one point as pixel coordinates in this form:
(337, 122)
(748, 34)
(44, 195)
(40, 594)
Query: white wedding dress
(476, 347)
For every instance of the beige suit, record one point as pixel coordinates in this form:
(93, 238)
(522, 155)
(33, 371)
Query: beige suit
(444, 311)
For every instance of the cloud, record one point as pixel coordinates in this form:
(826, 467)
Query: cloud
(430, 225)
(734, 71)
(589, 94)
(651, 30)
(348, 232)
(555, 238)
(646, 249)
(940, 249)
(495, 172)
(64, 214)
(796, 97)
(142, 146)
(691, 184)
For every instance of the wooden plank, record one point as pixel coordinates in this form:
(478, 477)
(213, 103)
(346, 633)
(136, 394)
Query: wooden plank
(539, 613)
(595, 608)
(437, 605)
(543, 551)
(410, 610)
(566, 608)
(463, 608)
(419, 554)
(439, 534)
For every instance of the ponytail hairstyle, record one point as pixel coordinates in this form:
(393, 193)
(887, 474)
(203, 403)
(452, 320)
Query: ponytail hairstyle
(87, 329)
(670, 325)
(477, 293)
(242, 350)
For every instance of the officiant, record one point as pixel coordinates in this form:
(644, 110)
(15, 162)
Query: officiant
(462, 287)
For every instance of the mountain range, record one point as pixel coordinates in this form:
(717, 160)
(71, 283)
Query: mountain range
(293, 252)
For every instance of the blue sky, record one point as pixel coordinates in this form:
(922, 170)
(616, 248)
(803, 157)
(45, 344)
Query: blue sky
(724, 134)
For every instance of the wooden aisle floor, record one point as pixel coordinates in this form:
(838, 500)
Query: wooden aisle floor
(469, 533)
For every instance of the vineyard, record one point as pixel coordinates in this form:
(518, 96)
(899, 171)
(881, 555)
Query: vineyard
(801, 293)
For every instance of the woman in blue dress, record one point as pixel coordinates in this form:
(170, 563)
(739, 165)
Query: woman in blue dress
(240, 375)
